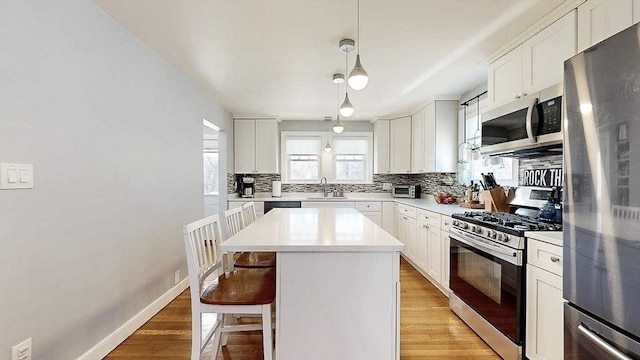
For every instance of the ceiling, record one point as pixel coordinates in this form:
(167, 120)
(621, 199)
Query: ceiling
(276, 58)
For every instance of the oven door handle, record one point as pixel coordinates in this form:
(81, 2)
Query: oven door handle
(508, 255)
(602, 344)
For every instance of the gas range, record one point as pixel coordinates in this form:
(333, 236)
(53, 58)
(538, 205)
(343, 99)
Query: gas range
(501, 227)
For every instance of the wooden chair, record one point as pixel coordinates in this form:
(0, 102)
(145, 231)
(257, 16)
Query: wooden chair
(235, 292)
(236, 219)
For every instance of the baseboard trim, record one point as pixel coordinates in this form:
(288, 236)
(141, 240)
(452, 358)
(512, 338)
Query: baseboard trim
(104, 347)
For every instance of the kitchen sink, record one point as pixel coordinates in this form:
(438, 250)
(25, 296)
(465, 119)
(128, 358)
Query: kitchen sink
(327, 198)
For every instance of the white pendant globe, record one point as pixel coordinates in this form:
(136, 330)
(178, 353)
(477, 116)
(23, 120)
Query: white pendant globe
(346, 109)
(358, 78)
(338, 127)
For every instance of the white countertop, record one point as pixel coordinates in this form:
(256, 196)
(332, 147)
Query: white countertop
(313, 230)
(426, 203)
(551, 237)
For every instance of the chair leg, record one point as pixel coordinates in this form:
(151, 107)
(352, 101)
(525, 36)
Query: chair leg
(226, 320)
(196, 335)
(267, 342)
(216, 339)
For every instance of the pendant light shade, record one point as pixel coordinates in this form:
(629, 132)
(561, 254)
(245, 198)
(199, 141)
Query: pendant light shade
(346, 109)
(327, 147)
(358, 77)
(337, 127)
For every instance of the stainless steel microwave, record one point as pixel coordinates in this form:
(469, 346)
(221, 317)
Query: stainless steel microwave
(407, 191)
(527, 126)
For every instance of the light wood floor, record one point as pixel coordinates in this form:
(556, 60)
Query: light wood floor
(428, 330)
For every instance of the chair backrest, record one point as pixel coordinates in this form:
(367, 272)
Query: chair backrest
(249, 211)
(234, 220)
(202, 239)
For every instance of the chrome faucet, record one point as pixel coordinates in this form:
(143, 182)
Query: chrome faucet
(323, 183)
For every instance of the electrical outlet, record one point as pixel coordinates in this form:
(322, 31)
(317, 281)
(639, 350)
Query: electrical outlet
(22, 351)
(176, 277)
(386, 186)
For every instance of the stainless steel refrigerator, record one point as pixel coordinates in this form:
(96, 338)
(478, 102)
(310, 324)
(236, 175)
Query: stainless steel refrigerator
(601, 279)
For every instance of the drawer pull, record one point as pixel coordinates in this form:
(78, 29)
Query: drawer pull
(446, 223)
(425, 226)
(555, 259)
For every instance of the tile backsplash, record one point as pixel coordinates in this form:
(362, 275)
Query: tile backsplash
(431, 183)
(546, 162)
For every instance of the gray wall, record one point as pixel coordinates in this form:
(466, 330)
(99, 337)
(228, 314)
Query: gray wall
(115, 137)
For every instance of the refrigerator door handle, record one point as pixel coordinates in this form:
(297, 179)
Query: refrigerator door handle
(602, 344)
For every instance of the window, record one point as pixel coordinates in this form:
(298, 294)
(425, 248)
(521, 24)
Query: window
(304, 167)
(303, 158)
(305, 161)
(504, 169)
(350, 159)
(210, 165)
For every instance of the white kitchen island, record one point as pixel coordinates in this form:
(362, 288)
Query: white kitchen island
(338, 283)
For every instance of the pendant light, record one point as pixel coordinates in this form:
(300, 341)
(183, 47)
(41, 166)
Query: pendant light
(327, 147)
(338, 127)
(346, 46)
(358, 78)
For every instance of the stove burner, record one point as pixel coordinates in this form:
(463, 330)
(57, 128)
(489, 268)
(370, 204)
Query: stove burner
(512, 221)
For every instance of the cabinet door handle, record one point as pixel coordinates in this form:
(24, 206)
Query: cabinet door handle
(524, 94)
(555, 259)
(404, 218)
(517, 96)
(446, 223)
(425, 226)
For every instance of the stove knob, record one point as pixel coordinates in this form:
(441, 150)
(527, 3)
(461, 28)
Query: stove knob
(473, 228)
(455, 222)
(479, 230)
(493, 234)
(464, 225)
(506, 238)
(500, 237)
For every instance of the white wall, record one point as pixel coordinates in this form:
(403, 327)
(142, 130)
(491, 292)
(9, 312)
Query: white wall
(98, 238)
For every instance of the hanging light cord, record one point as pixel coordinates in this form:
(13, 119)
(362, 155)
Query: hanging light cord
(346, 70)
(358, 35)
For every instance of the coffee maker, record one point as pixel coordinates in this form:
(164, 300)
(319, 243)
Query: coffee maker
(246, 186)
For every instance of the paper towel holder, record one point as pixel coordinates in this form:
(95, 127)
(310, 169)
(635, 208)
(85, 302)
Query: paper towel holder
(276, 188)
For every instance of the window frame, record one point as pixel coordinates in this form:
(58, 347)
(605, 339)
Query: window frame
(204, 152)
(327, 161)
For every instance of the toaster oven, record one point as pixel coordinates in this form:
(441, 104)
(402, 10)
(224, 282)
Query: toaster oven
(406, 191)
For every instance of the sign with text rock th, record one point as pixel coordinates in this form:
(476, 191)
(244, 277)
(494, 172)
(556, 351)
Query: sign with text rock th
(542, 177)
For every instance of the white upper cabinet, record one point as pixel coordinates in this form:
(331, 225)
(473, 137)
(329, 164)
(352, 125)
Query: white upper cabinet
(417, 143)
(504, 80)
(400, 145)
(444, 151)
(256, 146)
(599, 19)
(381, 147)
(434, 138)
(544, 54)
(534, 65)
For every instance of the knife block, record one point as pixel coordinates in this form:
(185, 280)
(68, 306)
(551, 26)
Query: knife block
(495, 200)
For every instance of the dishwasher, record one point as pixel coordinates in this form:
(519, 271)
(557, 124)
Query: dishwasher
(268, 205)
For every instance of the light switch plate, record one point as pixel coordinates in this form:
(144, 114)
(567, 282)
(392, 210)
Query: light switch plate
(16, 176)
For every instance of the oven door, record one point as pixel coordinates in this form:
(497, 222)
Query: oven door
(489, 277)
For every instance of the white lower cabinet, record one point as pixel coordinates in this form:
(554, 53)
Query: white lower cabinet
(446, 244)
(544, 331)
(389, 217)
(407, 234)
(427, 248)
(434, 254)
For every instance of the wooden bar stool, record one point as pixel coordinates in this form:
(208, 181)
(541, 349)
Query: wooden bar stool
(235, 292)
(236, 220)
